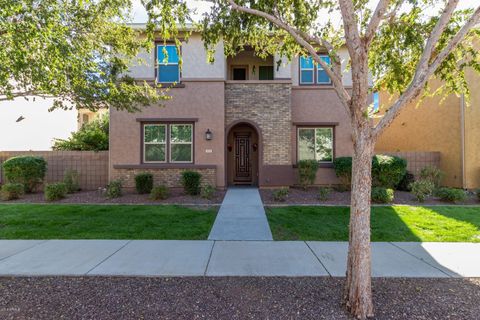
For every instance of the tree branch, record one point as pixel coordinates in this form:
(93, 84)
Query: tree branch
(304, 40)
(352, 34)
(415, 88)
(375, 21)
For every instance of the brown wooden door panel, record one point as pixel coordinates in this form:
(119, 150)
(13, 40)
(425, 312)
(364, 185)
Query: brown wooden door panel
(243, 166)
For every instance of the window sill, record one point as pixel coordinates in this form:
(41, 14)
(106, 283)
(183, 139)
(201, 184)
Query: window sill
(320, 165)
(164, 166)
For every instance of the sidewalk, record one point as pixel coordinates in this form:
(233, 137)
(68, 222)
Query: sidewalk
(231, 258)
(241, 217)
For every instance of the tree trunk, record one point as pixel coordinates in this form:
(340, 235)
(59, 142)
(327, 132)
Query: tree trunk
(358, 289)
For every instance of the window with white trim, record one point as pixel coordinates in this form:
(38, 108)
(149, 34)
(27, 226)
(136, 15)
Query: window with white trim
(313, 73)
(168, 69)
(171, 143)
(315, 144)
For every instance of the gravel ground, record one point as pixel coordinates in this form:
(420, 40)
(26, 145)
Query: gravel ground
(229, 298)
(310, 196)
(177, 196)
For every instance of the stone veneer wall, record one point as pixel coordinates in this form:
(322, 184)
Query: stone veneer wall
(267, 104)
(170, 177)
(92, 167)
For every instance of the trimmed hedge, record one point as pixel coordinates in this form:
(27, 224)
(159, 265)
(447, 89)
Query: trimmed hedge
(55, 191)
(191, 182)
(307, 171)
(144, 182)
(451, 194)
(27, 170)
(382, 195)
(421, 189)
(114, 189)
(406, 182)
(11, 191)
(159, 193)
(387, 171)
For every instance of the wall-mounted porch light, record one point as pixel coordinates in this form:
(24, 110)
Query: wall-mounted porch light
(208, 135)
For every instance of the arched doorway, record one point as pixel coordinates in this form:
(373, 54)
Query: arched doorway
(243, 154)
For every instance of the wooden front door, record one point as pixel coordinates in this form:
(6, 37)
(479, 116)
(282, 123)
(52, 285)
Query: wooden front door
(243, 161)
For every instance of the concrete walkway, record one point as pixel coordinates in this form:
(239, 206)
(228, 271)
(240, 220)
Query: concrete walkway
(231, 258)
(241, 217)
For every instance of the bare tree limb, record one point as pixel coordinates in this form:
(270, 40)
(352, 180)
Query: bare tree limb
(304, 39)
(434, 37)
(352, 34)
(415, 88)
(375, 21)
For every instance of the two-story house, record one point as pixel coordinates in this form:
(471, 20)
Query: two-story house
(240, 120)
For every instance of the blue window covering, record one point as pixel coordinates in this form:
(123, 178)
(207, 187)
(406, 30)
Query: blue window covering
(306, 70)
(322, 76)
(376, 102)
(168, 69)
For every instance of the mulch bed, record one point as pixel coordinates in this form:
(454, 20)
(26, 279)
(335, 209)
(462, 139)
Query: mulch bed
(310, 196)
(177, 196)
(230, 298)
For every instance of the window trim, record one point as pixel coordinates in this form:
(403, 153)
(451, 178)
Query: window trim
(320, 68)
(167, 125)
(144, 143)
(306, 69)
(332, 128)
(157, 63)
(315, 69)
(177, 143)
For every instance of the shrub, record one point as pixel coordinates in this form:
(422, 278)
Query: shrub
(478, 194)
(70, 178)
(343, 170)
(27, 170)
(388, 171)
(55, 191)
(422, 189)
(280, 194)
(191, 182)
(114, 189)
(307, 171)
(159, 193)
(11, 191)
(208, 192)
(432, 174)
(382, 195)
(404, 184)
(144, 182)
(92, 136)
(323, 193)
(451, 194)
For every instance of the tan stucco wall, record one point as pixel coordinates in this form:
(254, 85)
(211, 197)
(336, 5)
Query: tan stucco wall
(195, 65)
(321, 106)
(202, 100)
(472, 132)
(431, 126)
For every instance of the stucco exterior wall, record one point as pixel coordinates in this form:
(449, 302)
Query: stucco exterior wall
(195, 65)
(283, 70)
(251, 61)
(321, 106)
(472, 132)
(430, 126)
(203, 100)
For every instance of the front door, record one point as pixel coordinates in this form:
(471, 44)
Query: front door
(243, 161)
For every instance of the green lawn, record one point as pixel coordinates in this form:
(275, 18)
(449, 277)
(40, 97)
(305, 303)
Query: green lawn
(30, 221)
(390, 223)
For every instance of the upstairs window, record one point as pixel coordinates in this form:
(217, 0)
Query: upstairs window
(168, 70)
(313, 73)
(315, 144)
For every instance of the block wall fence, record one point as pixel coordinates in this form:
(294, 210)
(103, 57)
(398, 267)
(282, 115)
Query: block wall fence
(92, 167)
